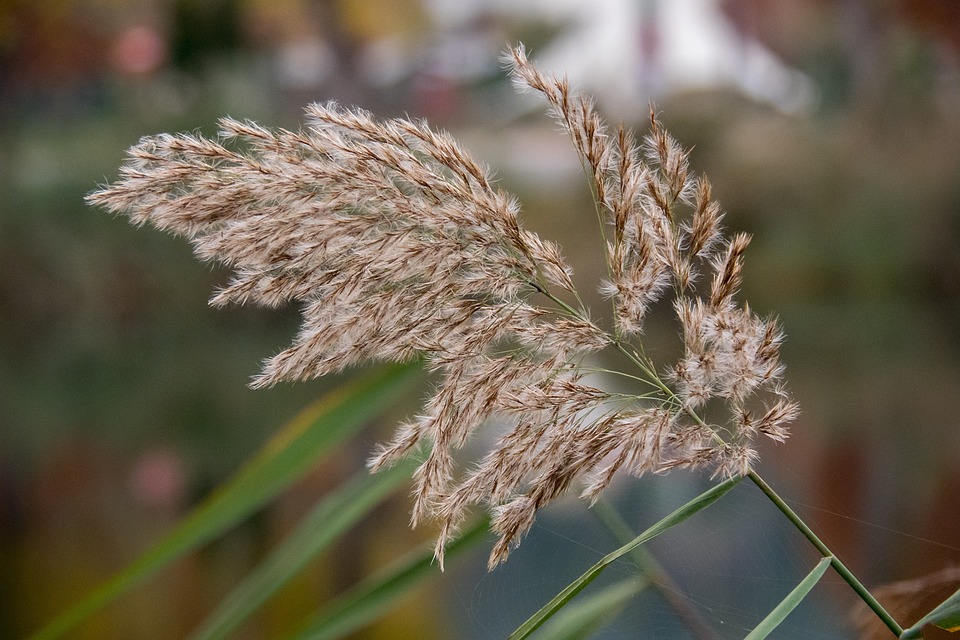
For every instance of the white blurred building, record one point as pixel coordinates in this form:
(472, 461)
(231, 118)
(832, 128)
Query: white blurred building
(627, 52)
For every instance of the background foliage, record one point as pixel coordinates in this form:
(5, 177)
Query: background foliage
(124, 398)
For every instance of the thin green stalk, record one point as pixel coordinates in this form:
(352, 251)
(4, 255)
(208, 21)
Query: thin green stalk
(825, 551)
(767, 490)
(614, 372)
(557, 301)
(591, 181)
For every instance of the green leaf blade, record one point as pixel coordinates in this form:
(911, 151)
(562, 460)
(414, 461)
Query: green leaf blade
(580, 620)
(333, 516)
(284, 459)
(689, 509)
(374, 596)
(946, 615)
(789, 603)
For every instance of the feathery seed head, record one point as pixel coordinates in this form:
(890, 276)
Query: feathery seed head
(397, 245)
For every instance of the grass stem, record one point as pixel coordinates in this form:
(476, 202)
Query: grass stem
(825, 551)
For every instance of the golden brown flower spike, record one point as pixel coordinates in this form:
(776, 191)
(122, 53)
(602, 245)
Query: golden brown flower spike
(397, 245)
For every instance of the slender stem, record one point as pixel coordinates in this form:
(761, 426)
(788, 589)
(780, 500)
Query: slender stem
(824, 550)
(838, 566)
(594, 188)
(614, 372)
(557, 301)
(643, 366)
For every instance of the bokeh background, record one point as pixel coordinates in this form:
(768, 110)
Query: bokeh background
(830, 130)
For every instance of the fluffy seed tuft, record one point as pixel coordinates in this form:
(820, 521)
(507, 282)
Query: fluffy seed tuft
(396, 244)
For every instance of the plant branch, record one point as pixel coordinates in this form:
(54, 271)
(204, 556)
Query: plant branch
(825, 551)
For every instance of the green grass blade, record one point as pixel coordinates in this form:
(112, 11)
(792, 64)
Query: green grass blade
(699, 503)
(333, 516)
(284, 459)
(374, 596)
(946, 616)
(578, 621)
(788, 604)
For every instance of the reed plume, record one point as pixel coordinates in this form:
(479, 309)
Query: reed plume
(397, 245)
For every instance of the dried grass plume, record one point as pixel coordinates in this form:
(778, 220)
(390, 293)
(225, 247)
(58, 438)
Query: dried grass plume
(397, 245)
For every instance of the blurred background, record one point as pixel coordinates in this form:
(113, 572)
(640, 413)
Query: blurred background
(830, 130)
